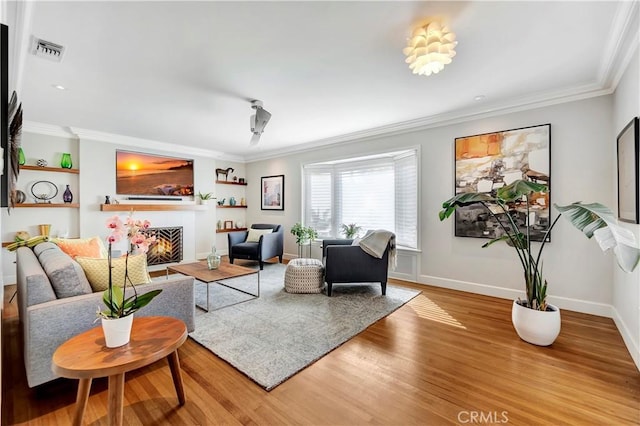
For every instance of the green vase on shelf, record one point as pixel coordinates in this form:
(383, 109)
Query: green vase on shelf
(65, 162)
(21, 159)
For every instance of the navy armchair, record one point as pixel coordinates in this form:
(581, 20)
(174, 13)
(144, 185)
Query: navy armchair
(344, 263)
(268, 245)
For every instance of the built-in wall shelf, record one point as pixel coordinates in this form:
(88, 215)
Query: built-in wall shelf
(232, 207)
(224, 182)
(49, 169)
(150, 207)
(221, 231)
(48, 205)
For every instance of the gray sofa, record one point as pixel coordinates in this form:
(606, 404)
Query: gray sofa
(48, 319)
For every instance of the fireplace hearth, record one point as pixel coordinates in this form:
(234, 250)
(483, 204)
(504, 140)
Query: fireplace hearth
(168, 245)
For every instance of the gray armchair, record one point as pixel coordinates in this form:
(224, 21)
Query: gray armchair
(268, 246)
(344, 263)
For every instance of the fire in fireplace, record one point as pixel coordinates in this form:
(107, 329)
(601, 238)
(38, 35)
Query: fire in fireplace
(168, 246)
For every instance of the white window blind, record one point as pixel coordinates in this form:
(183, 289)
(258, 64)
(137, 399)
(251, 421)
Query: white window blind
(374, 193)
(365, 195)
(406, 191)
(318, 200)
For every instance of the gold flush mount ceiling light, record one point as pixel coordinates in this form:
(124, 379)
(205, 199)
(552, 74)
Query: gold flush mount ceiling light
(430, 48)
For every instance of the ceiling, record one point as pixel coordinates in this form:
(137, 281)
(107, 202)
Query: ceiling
(184, 73)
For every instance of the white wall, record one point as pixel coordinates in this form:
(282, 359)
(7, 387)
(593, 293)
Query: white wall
(581, 170)
(97, 178)
(626, 287)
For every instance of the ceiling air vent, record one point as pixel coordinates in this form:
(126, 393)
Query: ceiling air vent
(47, 49)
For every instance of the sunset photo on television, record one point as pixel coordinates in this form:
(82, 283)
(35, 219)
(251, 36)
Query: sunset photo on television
(148, 174)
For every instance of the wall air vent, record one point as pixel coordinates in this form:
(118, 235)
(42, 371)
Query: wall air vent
(47, 49)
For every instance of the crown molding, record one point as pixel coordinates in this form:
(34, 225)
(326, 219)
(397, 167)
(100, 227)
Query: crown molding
(621, 44)
(144, 143)
(80, 134)
(47, 129)
(542, 99)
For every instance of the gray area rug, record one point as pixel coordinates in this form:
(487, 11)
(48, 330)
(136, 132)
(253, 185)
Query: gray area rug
(273, 337)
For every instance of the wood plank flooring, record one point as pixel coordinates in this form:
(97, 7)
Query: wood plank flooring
(446, 357)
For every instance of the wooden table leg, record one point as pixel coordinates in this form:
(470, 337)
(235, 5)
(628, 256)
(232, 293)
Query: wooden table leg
(115, 399)
(174, 364)
(84, 386)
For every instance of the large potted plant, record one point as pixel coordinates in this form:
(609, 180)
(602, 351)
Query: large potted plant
(117, 319)
(535, 320)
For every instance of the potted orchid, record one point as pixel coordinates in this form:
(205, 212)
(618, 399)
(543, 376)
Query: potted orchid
(120, 309)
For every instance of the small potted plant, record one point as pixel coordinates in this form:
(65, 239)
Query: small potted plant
(351, 230)
(304, 235)
(535, 320)
(205, 198)
(117, 319)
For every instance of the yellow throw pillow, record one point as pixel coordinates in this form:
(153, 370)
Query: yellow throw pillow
(97, 271)
(255, 234)
(86, 247)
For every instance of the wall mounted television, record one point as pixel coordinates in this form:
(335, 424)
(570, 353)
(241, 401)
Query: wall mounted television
(150, 175)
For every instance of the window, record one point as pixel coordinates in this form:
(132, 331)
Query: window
(376, 192)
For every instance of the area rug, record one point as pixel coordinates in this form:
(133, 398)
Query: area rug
(271, 338)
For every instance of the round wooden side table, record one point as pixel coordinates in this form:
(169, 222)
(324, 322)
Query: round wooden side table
(86, 356)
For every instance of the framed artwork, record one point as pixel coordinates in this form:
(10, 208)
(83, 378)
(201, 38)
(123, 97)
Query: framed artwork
(486, 162)
(272, 192)
(628, 174)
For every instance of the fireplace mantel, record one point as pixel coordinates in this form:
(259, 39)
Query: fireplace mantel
(150, 207)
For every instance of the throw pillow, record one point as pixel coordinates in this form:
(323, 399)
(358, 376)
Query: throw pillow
(86, 247)
(66, 276)
(356, 241)
(255, 234)
(97, 271)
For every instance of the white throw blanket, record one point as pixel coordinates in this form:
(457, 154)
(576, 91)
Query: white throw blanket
(375, 242)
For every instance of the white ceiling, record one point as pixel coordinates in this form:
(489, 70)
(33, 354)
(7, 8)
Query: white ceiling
(183, 72)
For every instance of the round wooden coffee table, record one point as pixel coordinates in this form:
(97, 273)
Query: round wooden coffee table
(86, 356)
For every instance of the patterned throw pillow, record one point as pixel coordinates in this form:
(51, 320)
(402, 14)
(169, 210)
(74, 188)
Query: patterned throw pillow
(255, 234)
(97, 271)
(86, 247)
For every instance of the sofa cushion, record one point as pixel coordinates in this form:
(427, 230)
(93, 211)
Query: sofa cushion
(66, 276)
(87, 247)
(97, 270)
(255, 234)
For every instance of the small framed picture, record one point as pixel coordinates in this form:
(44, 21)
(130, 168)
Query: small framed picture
(628, 173)
(228, 224)
(272, 192)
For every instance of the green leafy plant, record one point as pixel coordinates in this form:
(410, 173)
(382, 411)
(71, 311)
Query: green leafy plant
(592, 219)
(114, 297)
(207, 196)
(303, 234)
(351, 230)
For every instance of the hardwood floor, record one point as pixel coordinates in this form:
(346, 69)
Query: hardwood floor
(446, 357)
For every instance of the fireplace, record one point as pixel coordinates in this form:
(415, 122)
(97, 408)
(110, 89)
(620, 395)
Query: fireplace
(168, 246)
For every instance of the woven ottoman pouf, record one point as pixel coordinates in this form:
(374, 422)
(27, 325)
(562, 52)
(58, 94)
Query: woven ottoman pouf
(304, 276)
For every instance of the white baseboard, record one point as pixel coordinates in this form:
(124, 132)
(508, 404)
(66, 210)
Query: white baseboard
(402, 276)
(577, 305)
(629, 340)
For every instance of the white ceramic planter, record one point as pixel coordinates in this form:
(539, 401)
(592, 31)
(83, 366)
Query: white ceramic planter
(117, 332)
(537, 327)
